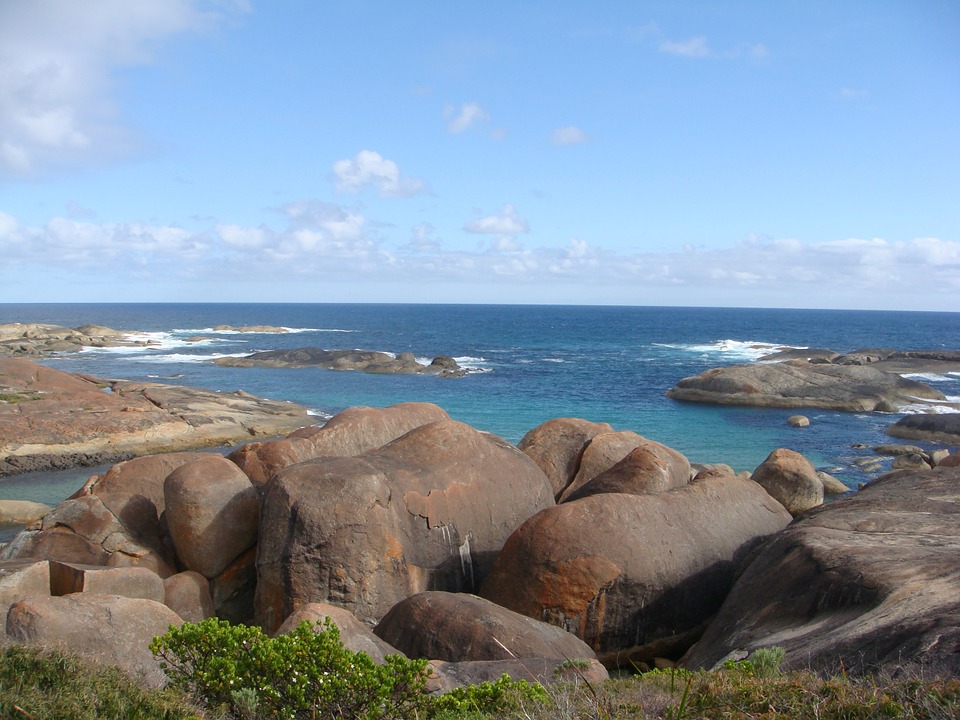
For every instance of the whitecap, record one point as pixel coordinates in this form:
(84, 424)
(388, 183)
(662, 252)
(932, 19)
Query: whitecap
(929, 377)
(188, 358)
(750, 350)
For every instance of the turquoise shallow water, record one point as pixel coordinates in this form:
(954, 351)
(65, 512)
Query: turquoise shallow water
(532, 363)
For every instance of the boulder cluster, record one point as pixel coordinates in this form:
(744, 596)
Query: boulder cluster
(421, 535)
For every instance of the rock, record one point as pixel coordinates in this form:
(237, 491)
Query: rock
(791, 479)
(952, 460)
(798, 421)
(96, 530)
(348, 433)
(935, 457)
(370, 361)
(132, 582)
(647, 469)
(796, 383)
(603, 452)
(188, 595)
(354, 634)
(862, 585)
(233, 589)
(21, 512)
(938, 427)
(213, 512)
(914, 460)
(40, 340)
(140, 476)
(634, 576)
(899, 450)
(458, 627)
(445, 676)
(20, 579)
(556, 446)
(107, 628)
(832, 486)
(61, 420)
(427, 511)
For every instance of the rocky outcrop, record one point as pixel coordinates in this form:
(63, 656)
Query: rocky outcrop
(937, 427)
(866, 584)
(21, 512)
(41, 340)
(108, 628)
(459, 627)
(20, 579)
(370, 361)
(51, 419)
(634, 576)
(427, 511)
(354, 635)
(798, 383)
(133, 582)
(348, 433)
(557, 446)
(791, 479)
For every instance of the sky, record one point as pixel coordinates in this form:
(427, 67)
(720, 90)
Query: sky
(739, 153)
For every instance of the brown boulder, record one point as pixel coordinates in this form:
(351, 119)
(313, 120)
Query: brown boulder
(791, 479)
(188, 595)
(107, 628)
(865, 584)
(634, 576)
(348, 433)
(354, 634)
(140, 476)
(132, 582)
(556, 446)
(429, 510)
(233, 589)
(445, 676)
(459, 627)
(647, 469)
(20, 579)
(212, 512)
(603, 452)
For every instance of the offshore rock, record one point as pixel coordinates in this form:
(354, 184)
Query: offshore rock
(51, 419)
(427, 511)
(41, 340)
(864, 585)
(634, 576)
(797, 383)
(370, 361)
(939, 427)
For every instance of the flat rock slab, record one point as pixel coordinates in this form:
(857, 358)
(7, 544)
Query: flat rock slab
(798, 383)
(943, 427)
(866, 584)
(51, 419)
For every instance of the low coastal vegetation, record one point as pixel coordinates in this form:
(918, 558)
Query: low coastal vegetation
(224, 672)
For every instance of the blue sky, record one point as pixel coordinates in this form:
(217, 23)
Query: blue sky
(778, 154)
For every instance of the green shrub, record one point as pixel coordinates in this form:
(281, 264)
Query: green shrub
(487, 698)
(307, 673)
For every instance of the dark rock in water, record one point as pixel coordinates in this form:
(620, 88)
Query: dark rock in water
(939, 427)
(865, 584)
(797, 383)
(370, 361)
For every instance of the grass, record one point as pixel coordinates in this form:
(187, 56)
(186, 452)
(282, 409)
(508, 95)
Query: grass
(13, 398)
(37, 685)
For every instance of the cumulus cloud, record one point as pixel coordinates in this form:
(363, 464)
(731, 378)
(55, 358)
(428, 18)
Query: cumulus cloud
(370, 169)
(57, 60)
(506, 222)
(461, 119)
(695, 47)
(569, 135)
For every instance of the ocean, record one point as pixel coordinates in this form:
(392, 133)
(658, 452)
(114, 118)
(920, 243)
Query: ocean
(529, 364)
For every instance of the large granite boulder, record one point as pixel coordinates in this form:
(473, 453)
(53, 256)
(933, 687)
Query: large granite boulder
(461, 627)
(20, 579)
(110, 629)
(792, 479)
(21, 512)
(354, 635)
(938, 427)
(446, 676)
(212, 511)
(427, 511)
(865, 584)
(348, 433)
(57, 419)
(133, 582)
(556, 446)
(634, 576)
(188, 594)
(798, 383)
(647, 469)
(603, 452)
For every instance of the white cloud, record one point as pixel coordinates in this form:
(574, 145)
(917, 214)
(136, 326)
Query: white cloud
(57, 59)
(369, 168)
(570, 135)
(695, 47)
(461, 119)
(506, 222)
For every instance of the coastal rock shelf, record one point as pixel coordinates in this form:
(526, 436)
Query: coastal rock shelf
(52, 419)
(370, 361)
(864, 381)
(41, 340)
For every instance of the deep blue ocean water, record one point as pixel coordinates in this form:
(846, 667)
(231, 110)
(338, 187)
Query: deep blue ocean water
(532, 363)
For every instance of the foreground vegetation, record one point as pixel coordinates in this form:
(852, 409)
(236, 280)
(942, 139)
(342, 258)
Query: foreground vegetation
(224, 672)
